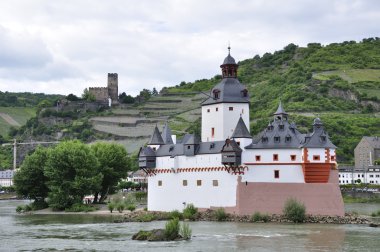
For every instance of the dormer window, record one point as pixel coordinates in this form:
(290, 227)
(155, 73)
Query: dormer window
(244, 93)
(212, 145)
(288, 139)
(216, 93)
(171, 148)
(276, 139)
(281, 127)
(264, 139)
(323, 138)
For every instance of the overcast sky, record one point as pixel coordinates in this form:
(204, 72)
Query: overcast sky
(64, 46)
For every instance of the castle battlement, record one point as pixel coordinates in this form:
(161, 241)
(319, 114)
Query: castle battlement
(111, 91)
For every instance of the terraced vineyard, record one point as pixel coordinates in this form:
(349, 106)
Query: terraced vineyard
(14, 116)
(132, 126)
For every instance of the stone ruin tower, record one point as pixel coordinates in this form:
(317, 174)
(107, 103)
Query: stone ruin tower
(112, 85)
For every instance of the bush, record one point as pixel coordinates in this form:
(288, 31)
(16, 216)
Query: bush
(257, 216)
(172, 229)
(190, 212)
(120, 207)
(79, 207)
(175, 214)
(294, 210)
(375, 214)
(111, 206)
(131, 207)
(220, 214)
(38, 205)
(19, 209)
(27, 208)
(185, 231)
(146, 217)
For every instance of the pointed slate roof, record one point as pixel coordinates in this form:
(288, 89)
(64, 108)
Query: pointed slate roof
(146, 152)
(229, 60)
(230, 90)
(167, 134)
(280, 110)
(156, 138)
(191, 139)
(319, 138)
(241, 130)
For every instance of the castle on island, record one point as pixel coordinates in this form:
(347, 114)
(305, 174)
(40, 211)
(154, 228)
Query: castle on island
(226, 167)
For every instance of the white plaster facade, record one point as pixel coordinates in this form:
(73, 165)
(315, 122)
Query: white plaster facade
(219, 120)
(216, 189)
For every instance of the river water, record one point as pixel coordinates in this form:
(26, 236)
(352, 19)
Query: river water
(98, 233)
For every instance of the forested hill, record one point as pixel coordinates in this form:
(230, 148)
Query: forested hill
(339, 82)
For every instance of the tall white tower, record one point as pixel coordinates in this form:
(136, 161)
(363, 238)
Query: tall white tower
(228, 101)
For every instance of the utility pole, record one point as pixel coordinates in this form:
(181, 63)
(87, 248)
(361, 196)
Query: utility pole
(15, 143)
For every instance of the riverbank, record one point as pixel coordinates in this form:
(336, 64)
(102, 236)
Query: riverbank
(209, 215)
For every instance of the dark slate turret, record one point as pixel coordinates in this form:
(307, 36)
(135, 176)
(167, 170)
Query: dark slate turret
(190, 145)
(319, 138)
(156, 138)
(147, 158)
(231, 153)
(229, 89)
(279, 134)
(241, 130)
(167, 134)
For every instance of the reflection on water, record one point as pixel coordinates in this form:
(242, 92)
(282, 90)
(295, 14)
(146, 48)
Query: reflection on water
(98, 233)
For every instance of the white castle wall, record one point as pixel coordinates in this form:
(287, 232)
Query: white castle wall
(206, 160)
(172, 193)
(266, 155)
(222, 120)
(316, 152)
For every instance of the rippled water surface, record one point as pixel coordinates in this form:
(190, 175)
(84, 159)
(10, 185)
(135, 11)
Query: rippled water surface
(98, 233)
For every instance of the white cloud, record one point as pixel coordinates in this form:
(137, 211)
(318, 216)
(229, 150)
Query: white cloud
(65, 46)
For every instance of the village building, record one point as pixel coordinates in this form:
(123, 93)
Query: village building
(6, 178)
(227, 167)
(366, 170)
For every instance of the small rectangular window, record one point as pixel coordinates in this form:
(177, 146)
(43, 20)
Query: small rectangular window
(242, 111)
(276, 174)
(293, 157)
(332, 158)
(208, 110)
(184, 182)
(275, 157)
(188, 147)
(160, 183)
(258, 158)
(216, 109)
(231, 108)
(215, 183)
(199, 182)
(238, 143)
(212, 132)
(316, 158)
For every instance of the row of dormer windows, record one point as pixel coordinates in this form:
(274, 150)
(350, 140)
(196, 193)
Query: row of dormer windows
(293, 157)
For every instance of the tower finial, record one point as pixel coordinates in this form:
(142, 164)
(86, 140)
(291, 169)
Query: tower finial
(229, 47)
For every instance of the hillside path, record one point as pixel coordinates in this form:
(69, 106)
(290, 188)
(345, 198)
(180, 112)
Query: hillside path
(9, 119)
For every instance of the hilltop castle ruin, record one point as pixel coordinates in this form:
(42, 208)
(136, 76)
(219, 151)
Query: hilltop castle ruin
(103, 94)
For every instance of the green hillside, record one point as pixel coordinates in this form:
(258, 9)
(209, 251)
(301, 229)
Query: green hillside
(340, 83)
(14, 116)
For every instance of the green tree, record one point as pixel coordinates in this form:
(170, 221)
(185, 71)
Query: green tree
(88, 96)
(72, 97)
(113, 165)
(72, 171)
(29, 180)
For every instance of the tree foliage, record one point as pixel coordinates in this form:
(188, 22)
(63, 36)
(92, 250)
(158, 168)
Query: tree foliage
(113, 164)
(30, 180)
(72, 173)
